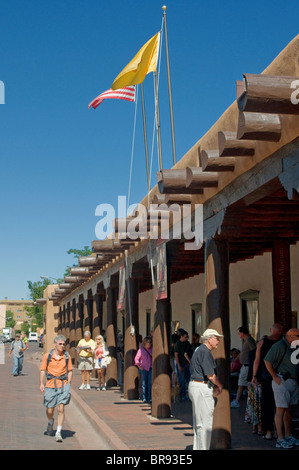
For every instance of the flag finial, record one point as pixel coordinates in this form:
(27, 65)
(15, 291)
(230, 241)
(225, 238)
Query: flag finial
(164, 8)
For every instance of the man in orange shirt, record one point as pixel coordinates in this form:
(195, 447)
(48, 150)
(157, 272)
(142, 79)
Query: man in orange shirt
(57, 391)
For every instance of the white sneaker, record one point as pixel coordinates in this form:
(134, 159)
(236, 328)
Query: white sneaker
(58, 437)
(284, 444)
(87, 387)
(82, 387)
(103, 388)
(292, 440)
(235, 404)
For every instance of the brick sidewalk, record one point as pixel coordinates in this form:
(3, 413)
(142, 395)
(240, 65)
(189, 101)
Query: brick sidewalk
(131, 423)
(125, 424)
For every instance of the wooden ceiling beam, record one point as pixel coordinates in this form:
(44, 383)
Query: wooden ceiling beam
(80, 271)
(174, 182)
(109, 244)
(196, 178)
(230, 146)
(171, 199)
(211, 161)
(259, 126)
(268, 94)
(91, 260)
(72, 279)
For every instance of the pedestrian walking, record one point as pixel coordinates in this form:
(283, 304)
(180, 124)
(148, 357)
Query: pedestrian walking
(85, 349)
(17, 349)
(203, 386)
(56, 370)
(285, 374)
(25, 339)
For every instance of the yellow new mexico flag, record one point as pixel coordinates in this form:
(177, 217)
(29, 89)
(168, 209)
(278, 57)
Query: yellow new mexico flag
(143, 63)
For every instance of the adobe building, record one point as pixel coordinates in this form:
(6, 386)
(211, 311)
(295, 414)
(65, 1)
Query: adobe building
(244, 175)
(19, 313)
(50, 317)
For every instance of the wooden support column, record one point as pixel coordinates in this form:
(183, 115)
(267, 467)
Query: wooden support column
(79, 325)
(72, 343)
(161, 384)
(282, 283)
(111, 377)
(86, 315)
(59, 327)
(131, 340)
(67, 327)
(97, 311)
(63, 321)
(217, 311)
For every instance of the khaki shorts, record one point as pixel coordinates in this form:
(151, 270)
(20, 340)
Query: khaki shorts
(285, 394)
(242, 381)
(85, 363)
(53, 398)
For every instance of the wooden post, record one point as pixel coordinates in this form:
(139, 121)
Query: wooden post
(72, 337)
(67, 327)
(161, 384)
(111, 377)
(97, 311)
(131, 340)
(59, 327)
(217, 311)
(282, 283)
(79, 326)
(86, 315)
(63, 321)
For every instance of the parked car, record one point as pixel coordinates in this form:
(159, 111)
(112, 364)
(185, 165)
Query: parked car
(33, 337)
(4, 339)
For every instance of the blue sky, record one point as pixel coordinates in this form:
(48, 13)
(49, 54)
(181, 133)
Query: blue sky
(59, 159)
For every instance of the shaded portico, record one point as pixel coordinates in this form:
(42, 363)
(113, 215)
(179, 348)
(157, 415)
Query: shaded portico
(244, 172)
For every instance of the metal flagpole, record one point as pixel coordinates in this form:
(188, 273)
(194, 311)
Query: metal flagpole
(169, 86)
(145, 140)
(158, 121)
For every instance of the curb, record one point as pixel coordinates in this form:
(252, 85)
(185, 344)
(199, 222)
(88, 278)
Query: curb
(104, 429)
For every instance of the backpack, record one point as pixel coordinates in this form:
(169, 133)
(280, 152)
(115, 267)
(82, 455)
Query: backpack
(22, 342)
(60, 377)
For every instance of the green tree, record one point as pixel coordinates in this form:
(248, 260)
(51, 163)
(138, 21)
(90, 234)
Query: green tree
(9, 320)
(25, 327)
(37, 289)
(35, 313)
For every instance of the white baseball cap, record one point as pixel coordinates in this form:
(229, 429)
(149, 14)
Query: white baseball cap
(211, 332)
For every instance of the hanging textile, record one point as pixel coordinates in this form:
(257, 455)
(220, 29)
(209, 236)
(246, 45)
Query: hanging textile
(161, 270)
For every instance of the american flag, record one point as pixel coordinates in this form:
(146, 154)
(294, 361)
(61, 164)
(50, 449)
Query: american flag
(127, 93)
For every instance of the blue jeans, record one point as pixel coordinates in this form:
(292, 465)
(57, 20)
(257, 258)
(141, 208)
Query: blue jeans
(17, 364)
(146, 383)
(184, 379)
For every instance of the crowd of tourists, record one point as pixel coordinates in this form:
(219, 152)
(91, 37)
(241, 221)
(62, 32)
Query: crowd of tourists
(266, 374)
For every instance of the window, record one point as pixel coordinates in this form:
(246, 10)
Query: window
(250, 311)
(197, 323)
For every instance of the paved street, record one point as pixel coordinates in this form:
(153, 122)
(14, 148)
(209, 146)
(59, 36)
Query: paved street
(23, 417)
